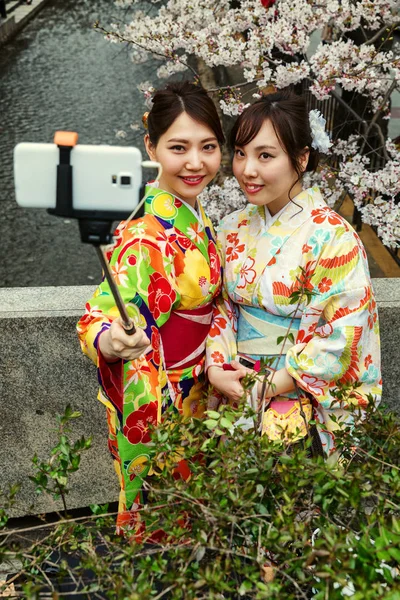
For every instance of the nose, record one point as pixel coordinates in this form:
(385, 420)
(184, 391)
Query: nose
(249, 168)
(194, 160)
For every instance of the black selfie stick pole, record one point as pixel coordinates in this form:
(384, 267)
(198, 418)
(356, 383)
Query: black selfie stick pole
(127, 322)
(94, 226)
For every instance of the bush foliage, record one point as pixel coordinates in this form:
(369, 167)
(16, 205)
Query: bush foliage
(256, 520)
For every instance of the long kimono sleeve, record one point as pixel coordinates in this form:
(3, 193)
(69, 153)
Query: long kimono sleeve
(221, 346)
(341, 331)
(140, 271)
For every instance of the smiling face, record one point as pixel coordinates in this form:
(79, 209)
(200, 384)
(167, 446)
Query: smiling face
(190, 157)
(265, 172)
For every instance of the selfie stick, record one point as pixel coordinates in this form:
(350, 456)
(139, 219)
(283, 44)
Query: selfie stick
(94, 226)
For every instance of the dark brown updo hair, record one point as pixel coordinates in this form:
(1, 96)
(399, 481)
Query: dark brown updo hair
(177, 98)
(289, 116)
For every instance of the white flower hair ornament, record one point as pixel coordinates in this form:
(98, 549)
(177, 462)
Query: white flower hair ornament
(320, 139)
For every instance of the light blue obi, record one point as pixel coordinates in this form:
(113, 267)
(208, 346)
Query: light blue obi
(258, 331)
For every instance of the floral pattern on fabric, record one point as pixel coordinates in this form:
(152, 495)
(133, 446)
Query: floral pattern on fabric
(266, 258)
(163, 262)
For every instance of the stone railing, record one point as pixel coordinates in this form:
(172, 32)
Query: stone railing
(42, 370)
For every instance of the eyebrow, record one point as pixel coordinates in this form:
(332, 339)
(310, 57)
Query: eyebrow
(182, 141)
(265, 147)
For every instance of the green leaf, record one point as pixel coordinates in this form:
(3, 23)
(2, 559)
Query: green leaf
(225, 423)
(210, 423)
(395, 553)
(213, 414)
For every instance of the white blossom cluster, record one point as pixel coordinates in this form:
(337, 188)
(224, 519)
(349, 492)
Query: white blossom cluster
(355, 68)
(220, 200)
(269, 47)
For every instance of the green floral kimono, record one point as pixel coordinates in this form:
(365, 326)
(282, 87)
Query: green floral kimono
(168, 272)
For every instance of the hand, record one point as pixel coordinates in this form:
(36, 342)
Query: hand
(116, 343)
(228, 382)
(279, 382)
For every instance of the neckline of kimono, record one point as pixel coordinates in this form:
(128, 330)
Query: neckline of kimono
(197, 213)
(270, 219)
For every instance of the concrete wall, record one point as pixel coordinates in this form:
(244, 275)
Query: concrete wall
(42, 370)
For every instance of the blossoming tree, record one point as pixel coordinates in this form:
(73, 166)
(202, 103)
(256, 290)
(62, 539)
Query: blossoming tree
(266, 43)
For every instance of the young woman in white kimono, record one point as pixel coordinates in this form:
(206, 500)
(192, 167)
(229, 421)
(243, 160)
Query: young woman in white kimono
(287, 239)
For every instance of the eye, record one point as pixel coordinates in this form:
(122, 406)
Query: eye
(265, 155)
(209, 147)
(177, 148)
(238, 153)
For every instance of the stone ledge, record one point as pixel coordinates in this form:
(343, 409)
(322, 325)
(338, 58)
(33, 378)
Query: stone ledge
(42, 370)
(19, 18)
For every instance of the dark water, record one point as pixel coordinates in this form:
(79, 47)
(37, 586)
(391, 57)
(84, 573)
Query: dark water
(59, 73)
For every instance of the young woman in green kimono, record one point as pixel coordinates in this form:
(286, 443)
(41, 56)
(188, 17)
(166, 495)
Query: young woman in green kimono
(168, 272)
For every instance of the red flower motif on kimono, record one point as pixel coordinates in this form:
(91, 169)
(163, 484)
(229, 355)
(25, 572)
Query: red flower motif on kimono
(268, 3)
(218, 357)
(117, 239)
(155, 343)
(303, 280)
(92, 314)
(243, 223)
(302, 337)
(368, 361)
(215, 264)
(306, 248)
(161, 295)
(136, 427)
(184, 241)
(232, 252)
(247, 274)
(320, 214)
(372, 314)
(325, 285)
(166, 242)
(216, 326)
(132, 260)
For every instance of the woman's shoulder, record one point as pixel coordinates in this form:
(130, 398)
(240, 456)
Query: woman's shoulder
(323, 216)
(238, 217)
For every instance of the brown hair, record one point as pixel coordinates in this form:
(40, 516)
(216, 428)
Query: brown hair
(289, 117)
(177, 98)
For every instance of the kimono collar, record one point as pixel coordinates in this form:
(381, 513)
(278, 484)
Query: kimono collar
(174, 212)
(296, 212)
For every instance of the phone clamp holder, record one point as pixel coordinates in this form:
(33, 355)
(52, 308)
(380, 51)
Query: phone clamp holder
(95, 226)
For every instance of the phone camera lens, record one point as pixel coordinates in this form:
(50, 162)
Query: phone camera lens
(125, 180)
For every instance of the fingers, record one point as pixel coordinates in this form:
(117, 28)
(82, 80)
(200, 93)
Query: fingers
(240, 370)
(128, 347)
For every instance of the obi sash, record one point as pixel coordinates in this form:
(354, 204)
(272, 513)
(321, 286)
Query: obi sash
(184, 336)
(258, 331)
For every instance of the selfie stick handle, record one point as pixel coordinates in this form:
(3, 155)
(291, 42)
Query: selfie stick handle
(127, 322)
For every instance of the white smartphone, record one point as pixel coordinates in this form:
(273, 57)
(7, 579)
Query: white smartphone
(105, 178)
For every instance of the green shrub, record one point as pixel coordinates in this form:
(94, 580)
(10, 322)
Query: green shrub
(255, 520)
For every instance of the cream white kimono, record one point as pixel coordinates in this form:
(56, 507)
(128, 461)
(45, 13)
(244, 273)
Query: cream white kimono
(265, 260)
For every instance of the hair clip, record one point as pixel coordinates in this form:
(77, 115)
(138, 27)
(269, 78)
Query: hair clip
(145, 119)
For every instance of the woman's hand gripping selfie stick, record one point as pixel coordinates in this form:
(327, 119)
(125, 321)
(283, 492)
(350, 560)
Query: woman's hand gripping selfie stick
(94, 226)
